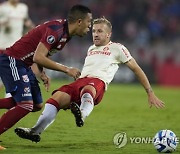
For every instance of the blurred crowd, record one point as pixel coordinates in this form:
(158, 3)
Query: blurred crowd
(149, 28)
(145, 20)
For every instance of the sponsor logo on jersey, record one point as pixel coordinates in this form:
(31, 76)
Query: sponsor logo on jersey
(27, 92)
(106, 49)
(50, 39)
(25, 95)
(107, 53)
(27, 56)
(63, 40)
(25, 78)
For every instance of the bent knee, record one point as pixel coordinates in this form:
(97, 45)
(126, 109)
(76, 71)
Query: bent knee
(62, 98)
(26, 105)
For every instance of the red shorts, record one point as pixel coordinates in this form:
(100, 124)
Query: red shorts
(74, 89)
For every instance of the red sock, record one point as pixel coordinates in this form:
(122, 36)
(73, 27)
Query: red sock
(13, 115)
(7, 103)
(53, 102)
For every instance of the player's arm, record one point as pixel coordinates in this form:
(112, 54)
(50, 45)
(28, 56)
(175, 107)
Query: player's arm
(152, 99)
(40, 57)
(40, 73)
(28, 24)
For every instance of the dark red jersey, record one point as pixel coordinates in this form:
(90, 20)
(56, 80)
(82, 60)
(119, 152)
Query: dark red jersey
(53, 34)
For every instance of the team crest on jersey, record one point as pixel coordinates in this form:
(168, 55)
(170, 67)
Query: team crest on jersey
(27, 90)
(105, 49)
(25, 78)
(50, 39)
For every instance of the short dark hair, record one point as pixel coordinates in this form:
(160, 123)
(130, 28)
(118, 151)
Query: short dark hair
(78, 12)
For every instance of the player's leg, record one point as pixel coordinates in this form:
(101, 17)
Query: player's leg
(59, 100)
(12, 77)
(7, 103)
(36, 92)
(88, 92)
(37, 106)
(7, 95)
(13, 115)
(92, 91)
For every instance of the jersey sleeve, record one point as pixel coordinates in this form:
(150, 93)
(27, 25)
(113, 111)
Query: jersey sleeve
(124, 55)
(49, 39)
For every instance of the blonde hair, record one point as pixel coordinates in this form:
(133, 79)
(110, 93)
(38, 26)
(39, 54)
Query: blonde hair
(103, 20)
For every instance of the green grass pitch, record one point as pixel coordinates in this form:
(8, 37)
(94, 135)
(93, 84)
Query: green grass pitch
(124, 108)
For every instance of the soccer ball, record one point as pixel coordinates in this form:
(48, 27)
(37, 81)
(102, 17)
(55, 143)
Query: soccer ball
(165, 141)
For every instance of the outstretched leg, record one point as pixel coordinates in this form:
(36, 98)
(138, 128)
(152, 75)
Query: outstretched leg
(7, 103)
(13, 115)
(58, 101)
(46, 118)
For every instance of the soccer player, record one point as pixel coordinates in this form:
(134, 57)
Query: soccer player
(13, 19)
(35, 47)
(100, 66)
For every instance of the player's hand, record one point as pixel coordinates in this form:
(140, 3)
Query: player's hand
(46, 80)
(154, 101)
(73, 72)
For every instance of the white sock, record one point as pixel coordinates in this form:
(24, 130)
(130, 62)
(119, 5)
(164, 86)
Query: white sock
(87, 105)
(46, 118)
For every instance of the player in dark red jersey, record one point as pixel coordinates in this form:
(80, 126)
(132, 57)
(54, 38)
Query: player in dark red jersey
(35, 47)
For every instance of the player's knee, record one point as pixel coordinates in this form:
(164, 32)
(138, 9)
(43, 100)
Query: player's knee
(37, 107)
(62, 99)
(88, 89)
(27, 106)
